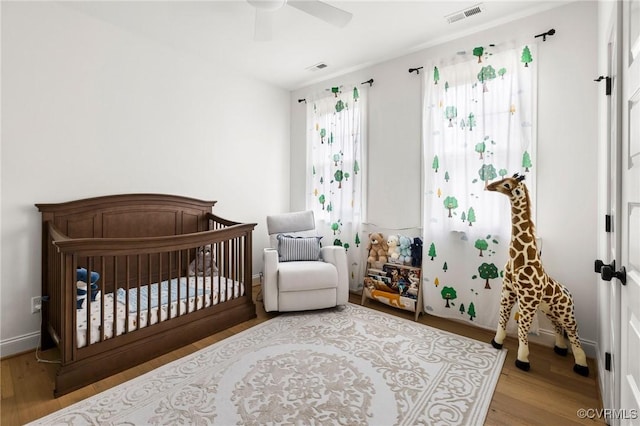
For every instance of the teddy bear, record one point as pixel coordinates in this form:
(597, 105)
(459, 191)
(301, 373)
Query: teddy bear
(377, 248)
(393, 244)
(203, 264)
(405, 250)
(416, 252)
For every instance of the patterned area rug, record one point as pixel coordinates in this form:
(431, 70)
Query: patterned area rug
(348, 366)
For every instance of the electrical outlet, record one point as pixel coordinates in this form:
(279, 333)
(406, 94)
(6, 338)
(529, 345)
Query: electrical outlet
(36, 304)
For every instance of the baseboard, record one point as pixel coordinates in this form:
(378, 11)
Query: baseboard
(28, 342)
(19, 344)
(548, 338)
(256, 280)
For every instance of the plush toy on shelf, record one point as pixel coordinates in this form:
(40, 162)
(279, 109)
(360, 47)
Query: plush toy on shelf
(416, 252)
(405, 250)
(377, 249)
(393, 244)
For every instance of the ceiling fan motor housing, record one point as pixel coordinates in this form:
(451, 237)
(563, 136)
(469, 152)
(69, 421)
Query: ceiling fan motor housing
(268, 5)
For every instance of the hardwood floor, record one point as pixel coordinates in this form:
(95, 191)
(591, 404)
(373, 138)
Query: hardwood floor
(550, 394)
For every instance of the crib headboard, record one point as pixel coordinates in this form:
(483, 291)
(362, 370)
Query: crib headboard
(128, 216)
(136, 216)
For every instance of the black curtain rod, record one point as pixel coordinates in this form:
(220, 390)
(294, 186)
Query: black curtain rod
(334, 89)
(544, 35)
(417, 70)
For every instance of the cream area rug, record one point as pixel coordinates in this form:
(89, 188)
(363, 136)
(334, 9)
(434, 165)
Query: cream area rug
(345, 366)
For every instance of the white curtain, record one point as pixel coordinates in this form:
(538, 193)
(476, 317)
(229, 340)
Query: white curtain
(479, 125)
(336, 171)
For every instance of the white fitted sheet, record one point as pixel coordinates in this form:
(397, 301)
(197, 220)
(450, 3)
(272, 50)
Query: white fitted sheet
(210, 295)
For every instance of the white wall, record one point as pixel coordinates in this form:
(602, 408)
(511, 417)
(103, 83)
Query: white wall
(567, 142)
(90, 109)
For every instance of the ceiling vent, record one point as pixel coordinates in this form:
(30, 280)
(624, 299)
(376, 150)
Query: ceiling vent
(317, 67)
(458, 16)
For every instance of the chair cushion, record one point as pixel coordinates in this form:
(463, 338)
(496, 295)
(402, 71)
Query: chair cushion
(306, 275)
(290, 222)
(291, 248)
(273, 238)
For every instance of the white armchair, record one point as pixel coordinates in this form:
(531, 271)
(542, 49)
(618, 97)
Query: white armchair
(290, 284)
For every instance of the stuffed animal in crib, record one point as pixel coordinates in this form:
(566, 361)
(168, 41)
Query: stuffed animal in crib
(393, 244)
(405, 250)
(526, 282)
(81, 285)
(377, 248)
(416, 252)
(82, 274)
(203, 264)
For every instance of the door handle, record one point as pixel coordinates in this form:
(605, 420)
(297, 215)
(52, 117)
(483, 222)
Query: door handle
(599, 264)
(608, 272)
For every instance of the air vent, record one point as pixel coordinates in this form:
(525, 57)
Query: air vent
(458, 16)
(317, 67)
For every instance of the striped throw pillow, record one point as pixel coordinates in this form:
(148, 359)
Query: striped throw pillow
(298, 248)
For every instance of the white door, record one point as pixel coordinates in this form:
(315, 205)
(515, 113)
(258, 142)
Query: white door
(608, 291)
(630, 216)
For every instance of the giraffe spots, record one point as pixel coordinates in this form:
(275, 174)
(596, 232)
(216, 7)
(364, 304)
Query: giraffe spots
(517, 245)
(527, 238)
(518, 260)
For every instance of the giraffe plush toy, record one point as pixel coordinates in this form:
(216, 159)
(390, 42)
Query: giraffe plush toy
(526, 282)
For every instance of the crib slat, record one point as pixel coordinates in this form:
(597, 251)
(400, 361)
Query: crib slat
(138, 283)
(159, 288)
(88, 304)
(114, 294)
(101, 300)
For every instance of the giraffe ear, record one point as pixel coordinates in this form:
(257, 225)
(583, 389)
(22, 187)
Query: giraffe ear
(520, 178)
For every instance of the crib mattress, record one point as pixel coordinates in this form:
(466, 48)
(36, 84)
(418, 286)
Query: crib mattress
(211, 291)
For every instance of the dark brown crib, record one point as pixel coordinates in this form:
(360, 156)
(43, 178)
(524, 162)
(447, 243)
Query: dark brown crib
(170, 272)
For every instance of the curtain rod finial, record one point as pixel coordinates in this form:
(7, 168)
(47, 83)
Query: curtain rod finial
(551, 32)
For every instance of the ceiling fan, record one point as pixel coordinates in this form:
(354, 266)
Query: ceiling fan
(323, 11)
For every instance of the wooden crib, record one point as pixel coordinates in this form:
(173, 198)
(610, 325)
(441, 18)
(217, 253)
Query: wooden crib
(170, 272)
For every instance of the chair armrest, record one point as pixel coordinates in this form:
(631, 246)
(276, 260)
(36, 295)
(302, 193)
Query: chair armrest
(337, 256)
(270, 280)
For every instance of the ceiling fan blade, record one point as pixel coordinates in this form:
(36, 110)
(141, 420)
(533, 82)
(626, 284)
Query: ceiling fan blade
(323, 11)
(263, 30)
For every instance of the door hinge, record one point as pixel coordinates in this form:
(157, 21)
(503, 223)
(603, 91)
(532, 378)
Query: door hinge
(608, 223)
(607, 361)
(608, 84)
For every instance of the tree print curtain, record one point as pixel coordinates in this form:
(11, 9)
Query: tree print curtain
(335, 179)
(479, 125)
